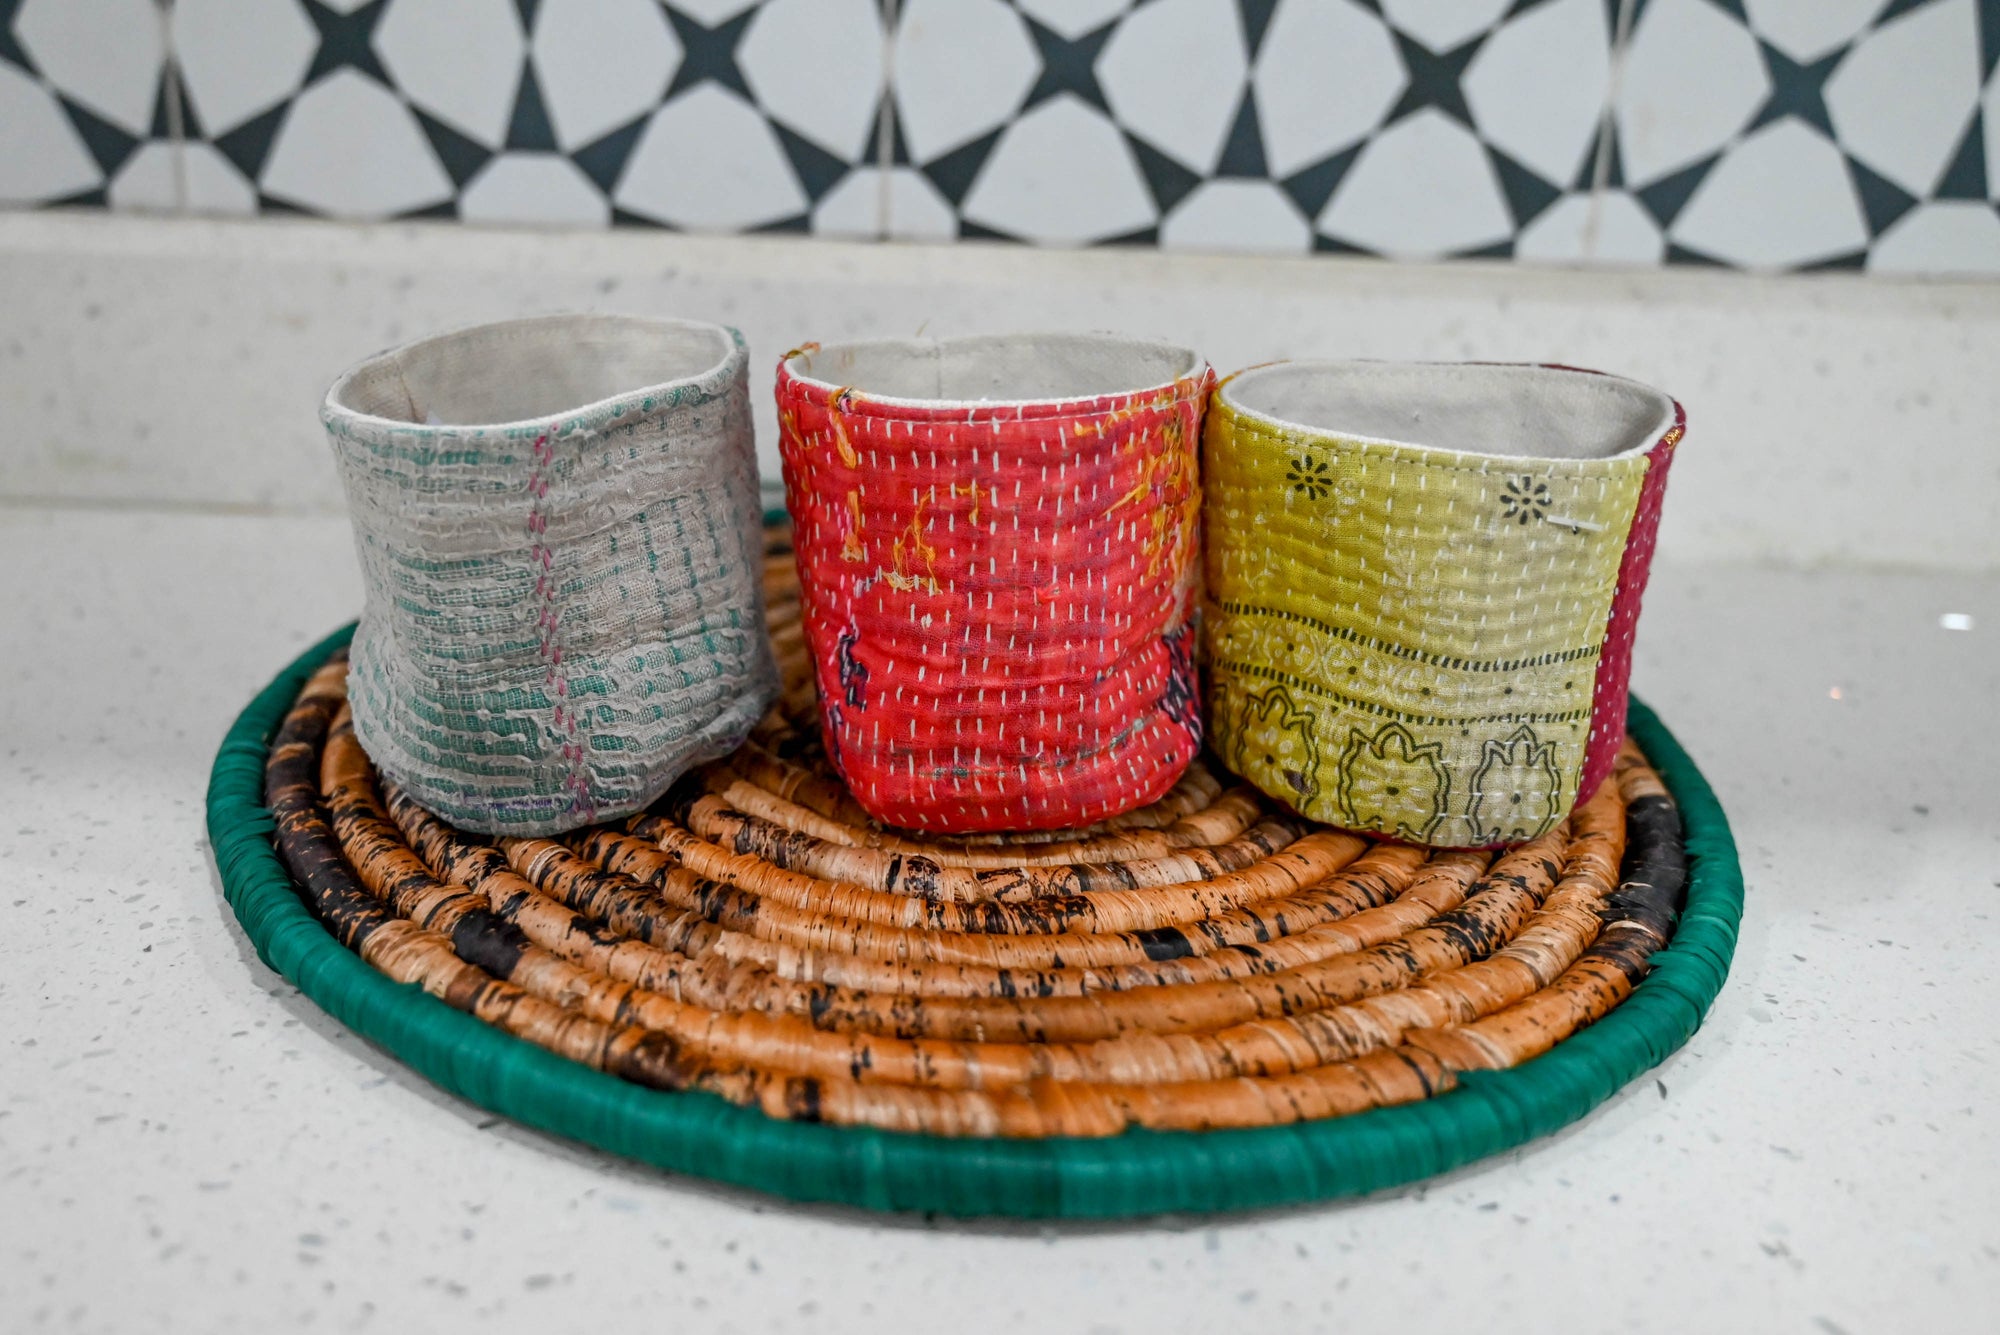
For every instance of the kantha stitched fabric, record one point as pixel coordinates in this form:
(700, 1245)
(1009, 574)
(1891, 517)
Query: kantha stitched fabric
(561, 547)
(997, 544)
(1422, 584)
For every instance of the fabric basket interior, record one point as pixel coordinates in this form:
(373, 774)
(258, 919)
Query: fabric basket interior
(1526, 412)
(1010, 368)
(520, 370)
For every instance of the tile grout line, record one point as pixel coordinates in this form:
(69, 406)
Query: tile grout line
(170, 93)
(1600, 168)
(885, 123)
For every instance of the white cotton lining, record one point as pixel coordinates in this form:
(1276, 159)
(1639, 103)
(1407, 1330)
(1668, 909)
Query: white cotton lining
(519, 371)
(995, 368)
(1528, 412)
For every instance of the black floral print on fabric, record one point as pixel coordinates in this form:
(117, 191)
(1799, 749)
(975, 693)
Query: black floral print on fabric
(1309, 478)
(1524, 498)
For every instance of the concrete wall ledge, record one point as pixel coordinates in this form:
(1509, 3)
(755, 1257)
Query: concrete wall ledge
(1834, 419)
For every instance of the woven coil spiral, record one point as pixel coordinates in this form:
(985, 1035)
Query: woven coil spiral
(1207, 961)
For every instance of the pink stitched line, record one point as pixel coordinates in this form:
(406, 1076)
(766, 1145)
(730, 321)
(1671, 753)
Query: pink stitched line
(556, 681)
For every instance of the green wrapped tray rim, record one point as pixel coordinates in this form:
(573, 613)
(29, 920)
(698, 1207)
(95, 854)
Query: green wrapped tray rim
(1137, 1173)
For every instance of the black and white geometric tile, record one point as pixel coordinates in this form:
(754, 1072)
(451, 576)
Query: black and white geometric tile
(1841, 133)
(83, 118)
(1767, 134)
(703, 116)
(1404, 128)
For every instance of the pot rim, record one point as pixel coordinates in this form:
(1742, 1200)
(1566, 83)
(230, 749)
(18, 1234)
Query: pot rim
(795, 368)
(730, 359)
(1667, 420)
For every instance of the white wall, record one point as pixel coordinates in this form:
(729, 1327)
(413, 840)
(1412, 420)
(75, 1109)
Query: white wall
(1832, 418)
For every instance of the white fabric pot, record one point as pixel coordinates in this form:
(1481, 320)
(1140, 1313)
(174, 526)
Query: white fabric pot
(560, 535)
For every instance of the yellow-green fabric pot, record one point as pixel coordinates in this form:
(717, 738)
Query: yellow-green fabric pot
(1421, 582)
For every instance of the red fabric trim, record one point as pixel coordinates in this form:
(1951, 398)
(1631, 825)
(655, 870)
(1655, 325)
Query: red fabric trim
(1614, 664)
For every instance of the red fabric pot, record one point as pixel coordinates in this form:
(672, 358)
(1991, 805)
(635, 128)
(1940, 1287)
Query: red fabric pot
(997, 544)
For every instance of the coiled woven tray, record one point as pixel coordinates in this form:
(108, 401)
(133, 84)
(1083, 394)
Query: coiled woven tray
(1207, 1004)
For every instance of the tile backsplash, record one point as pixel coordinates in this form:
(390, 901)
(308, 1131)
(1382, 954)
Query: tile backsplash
(1762, 134)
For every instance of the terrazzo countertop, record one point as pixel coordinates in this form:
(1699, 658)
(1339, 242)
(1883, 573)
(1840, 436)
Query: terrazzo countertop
(186, 1143)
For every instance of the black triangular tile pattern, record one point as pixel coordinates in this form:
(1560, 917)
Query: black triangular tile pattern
(1882, 200)
(1528, 195)
(899, 147)
(1965, 177)
(973, 231)
(172, 110)
(11, 49)
(796, 225)
(528, 127)
(818, 170)
(1679, 254)
(1311, 187)
(1256, 19)
(1243, 150)
(1084, 68)
(1328, 245)
(107, 143)
(443, 209)
(954, 172)
(1167, 180)
(1895, 9)
(1068, 65)
(1849, 260)
(1145, 236)
(1603, 145)
(1666, 197)
(346, 40)
(96, 198)
(1797, 89)
(603, 159)
(1435, 80)
(459, 155)
(1499, 250)
(627, 218)
(709, 55)
(281, 207)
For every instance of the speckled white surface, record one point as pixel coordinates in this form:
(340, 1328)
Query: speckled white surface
(186, 1144)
